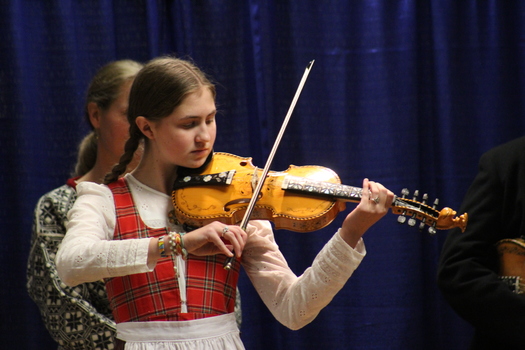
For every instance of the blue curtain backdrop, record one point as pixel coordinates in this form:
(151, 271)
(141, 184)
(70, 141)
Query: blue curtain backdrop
(408, 93)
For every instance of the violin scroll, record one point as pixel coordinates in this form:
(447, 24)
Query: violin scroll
(447, 220)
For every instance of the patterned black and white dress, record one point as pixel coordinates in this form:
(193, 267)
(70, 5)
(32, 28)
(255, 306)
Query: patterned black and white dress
(76, 318)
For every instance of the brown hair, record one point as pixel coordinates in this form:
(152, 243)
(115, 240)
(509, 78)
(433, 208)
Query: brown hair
(87, 154)
(105, 85)
(103, 90)
(158, 89)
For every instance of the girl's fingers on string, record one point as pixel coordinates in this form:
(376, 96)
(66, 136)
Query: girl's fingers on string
(380, 196)
(372, 192)
(387, 194)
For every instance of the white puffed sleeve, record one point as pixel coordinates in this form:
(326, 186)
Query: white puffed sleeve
(296, 301)
(88, 252)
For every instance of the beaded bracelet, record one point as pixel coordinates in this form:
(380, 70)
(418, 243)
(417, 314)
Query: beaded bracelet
(162, 248)
(177, 244)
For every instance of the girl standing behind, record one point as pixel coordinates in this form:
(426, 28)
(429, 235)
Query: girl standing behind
(167, 287)
(80, 317)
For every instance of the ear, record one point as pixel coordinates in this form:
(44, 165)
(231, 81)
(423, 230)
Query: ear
(94, 114)
(145, 126)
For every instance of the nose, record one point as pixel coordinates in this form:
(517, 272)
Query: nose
(203, 134)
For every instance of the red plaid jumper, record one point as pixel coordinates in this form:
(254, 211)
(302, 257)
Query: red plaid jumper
(155, 296)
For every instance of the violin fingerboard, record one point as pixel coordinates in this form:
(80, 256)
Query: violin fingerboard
(321, 188)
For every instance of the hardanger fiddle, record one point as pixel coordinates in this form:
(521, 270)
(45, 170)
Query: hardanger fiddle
(301, 199)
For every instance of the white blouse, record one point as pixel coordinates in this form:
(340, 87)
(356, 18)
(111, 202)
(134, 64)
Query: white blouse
(88, 253)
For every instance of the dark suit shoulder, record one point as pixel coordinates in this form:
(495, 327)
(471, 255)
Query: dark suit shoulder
(510, 155)
(516, 146)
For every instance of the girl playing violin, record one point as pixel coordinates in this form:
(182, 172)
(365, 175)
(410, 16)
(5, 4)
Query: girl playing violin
(167, 287)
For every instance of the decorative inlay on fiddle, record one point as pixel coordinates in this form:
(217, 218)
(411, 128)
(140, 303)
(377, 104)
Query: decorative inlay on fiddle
(302, 198)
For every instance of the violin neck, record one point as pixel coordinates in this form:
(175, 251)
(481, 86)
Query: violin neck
(322, 189)
(400, 206)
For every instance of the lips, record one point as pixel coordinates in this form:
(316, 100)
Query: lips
(200, 151)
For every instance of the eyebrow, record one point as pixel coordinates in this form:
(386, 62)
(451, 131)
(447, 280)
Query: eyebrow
(198, 117)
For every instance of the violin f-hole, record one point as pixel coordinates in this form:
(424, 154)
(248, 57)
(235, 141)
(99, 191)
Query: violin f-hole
(239, 201)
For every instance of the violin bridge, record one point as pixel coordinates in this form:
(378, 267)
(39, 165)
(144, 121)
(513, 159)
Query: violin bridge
(255, 179)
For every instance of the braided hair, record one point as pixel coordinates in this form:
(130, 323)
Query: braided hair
(157, 90)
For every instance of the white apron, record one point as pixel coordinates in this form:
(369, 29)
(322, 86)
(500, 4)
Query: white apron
(210, 333)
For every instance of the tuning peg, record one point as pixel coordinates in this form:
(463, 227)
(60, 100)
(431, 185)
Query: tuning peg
(425, 198)
(412, 221)
(420, 207)
(432, 229)
(424, 201)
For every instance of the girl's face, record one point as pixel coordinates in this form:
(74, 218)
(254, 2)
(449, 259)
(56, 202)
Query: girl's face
(186, 137)
(113, 126)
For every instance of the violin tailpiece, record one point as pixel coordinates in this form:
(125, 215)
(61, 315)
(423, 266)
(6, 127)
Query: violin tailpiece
(222, 178)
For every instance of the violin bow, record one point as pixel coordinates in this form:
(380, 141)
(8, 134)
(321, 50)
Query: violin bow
(244, 223)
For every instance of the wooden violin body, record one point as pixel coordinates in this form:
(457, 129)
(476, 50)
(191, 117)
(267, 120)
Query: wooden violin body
(223, 199)
(302, 198)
